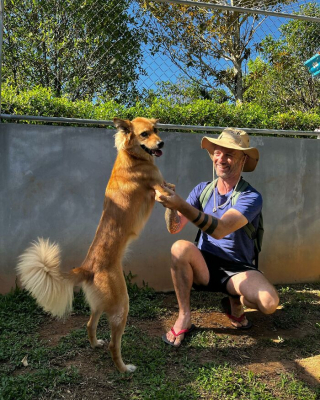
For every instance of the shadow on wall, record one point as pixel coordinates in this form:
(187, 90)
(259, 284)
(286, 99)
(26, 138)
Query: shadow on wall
(53, 181)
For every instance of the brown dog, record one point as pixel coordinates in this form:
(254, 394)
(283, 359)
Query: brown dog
(129, 198)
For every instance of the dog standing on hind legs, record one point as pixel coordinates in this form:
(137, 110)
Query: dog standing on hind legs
(129, 199)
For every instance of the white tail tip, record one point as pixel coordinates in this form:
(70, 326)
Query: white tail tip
(39, 272)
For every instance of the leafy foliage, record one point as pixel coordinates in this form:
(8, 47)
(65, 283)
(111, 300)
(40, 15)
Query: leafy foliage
(278, 78)
(185, 91)
(41, 101)
(51, 44)
(211, 45)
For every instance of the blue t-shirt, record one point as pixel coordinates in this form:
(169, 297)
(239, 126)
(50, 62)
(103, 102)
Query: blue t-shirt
(236, 246)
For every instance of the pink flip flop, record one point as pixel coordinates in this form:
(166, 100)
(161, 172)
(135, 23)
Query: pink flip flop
(225, 303)
(185, 331)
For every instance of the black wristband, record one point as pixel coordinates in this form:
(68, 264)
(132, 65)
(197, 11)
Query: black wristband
(204, 222)
(212, 227)
(198, 217)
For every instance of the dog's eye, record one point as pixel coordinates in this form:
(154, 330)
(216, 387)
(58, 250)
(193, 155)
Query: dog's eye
(144, 134)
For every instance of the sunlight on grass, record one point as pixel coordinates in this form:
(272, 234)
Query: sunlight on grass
(209, 364)
(225, 381)
(296, 389)
(210, 339)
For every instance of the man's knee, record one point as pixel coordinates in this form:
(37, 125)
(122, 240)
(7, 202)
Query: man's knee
(180, 250)
(269, 302)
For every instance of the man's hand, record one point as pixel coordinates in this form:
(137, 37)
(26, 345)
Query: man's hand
(170, 199)
(183, 211)
(170, 186)
(165, 194)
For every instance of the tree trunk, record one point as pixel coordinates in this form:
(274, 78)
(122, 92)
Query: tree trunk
(238, 83)
(237, 61)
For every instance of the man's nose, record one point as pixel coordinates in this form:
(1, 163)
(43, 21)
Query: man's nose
(221, 158)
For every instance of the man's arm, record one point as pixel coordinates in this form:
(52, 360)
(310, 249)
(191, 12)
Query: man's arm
(175, 221)
(231, 221)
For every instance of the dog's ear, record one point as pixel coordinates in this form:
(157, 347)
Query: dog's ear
(154, 121)
(122, 124)
(124, 133)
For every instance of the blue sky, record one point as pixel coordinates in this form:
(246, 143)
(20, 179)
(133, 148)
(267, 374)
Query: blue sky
(159, 67)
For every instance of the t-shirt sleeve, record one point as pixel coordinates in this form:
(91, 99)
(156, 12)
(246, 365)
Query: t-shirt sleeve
(249, 203)
(194, 195)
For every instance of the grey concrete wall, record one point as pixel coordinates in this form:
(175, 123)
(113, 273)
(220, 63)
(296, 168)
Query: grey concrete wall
(52, 183)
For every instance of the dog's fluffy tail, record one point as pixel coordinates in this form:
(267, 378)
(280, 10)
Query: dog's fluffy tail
(39, 272)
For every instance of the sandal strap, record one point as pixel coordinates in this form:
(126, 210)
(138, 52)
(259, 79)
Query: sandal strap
(180, 332)
(237, 319)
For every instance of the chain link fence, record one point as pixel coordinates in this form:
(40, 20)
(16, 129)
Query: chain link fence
(135, 52)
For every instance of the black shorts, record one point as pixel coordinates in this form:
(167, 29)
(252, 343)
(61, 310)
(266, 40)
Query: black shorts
(220, 271)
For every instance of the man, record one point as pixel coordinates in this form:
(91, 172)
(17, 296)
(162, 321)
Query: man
(223, 259)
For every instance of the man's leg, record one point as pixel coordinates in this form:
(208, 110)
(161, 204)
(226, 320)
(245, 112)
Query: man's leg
(188, 266)
(255, 292)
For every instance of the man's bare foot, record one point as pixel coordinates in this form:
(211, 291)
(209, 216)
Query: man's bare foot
(177, 333)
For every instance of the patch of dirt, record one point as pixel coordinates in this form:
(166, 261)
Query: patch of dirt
(245, 350)
(55, 329)
(309, 369)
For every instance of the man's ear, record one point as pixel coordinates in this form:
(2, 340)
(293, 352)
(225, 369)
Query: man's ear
(122, 124)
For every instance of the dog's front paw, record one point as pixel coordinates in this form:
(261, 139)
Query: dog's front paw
(170, 186)
(131, 368)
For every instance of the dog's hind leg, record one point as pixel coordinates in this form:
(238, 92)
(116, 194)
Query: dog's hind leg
(92, 329)
(117, 323)
(93, 297)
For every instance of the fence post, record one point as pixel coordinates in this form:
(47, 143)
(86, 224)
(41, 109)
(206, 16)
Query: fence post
(1, 40)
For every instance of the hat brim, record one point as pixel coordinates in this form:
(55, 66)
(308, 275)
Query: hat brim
(252, 153)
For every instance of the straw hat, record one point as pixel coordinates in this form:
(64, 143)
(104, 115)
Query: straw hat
(233, 138)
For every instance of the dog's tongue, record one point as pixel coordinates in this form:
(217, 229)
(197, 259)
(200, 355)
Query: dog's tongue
(157, 153)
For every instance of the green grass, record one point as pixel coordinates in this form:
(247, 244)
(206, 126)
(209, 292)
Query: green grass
(226, 383)
(209, 365)
(29, 386)
(298, 304)
(144, 302)
(19, 321)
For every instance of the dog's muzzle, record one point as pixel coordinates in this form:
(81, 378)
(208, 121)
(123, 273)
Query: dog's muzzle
(154, 152)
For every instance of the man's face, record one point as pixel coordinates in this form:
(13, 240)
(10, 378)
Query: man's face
(227, 162)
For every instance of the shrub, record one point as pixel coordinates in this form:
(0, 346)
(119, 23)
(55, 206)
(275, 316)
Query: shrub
(40, 101)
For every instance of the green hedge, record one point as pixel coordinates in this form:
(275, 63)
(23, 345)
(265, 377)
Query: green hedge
(41, 101)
